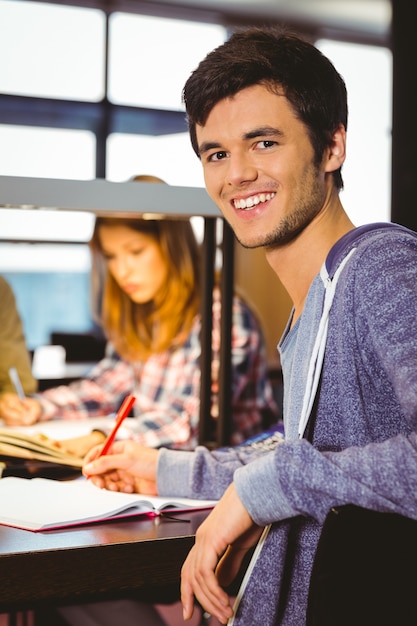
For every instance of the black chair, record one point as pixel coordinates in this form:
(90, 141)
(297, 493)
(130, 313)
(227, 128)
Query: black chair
(365, 570)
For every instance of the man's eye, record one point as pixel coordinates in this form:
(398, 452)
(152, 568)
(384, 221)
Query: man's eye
(217, 156)
(266, 143)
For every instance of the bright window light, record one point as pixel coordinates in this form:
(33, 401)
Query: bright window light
(150, 58)
(169, 157)
(367, 170)
(25, 257)
(46, 225)
(52, 51)
(47, 152)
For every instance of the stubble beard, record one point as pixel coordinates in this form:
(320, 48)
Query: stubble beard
(290, 226)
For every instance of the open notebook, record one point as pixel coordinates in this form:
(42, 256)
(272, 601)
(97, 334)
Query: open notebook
(42, 504)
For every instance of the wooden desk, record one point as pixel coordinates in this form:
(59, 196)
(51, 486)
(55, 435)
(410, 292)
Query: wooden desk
(140, 559)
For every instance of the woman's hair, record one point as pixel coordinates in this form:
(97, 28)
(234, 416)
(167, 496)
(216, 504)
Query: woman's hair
(285, 64)
(139, 330)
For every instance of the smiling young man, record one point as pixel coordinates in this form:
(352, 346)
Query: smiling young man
(267, 116)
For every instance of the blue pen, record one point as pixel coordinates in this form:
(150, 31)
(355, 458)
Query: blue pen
(14, 377)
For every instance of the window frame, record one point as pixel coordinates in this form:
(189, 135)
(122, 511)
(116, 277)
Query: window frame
(104, 117)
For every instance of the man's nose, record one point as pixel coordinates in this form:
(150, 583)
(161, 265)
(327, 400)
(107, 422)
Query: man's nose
(241, 169)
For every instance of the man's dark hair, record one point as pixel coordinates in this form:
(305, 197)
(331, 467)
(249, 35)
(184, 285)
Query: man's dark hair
(285, 64)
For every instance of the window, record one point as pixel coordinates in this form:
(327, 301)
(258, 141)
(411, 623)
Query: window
(369, 128)
(170, 157)
(58, 121)
(47, 152)
(51, 284)
(52, 51)
(150, 58)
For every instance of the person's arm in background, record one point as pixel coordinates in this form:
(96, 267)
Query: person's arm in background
(13, 349)
(99, 394)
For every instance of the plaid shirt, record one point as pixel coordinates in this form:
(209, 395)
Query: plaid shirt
(167, 387)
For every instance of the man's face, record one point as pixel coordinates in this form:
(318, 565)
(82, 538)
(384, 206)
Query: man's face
(259, 167)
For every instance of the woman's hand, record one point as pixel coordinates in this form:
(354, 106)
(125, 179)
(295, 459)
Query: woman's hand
(221, 543)
(78, 446)
(17, 412)
(127, 467)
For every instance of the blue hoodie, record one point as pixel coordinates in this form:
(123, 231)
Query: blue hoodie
(363, 449)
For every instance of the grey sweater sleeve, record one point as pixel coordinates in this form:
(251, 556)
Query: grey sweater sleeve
(380, 476)
(205, 474)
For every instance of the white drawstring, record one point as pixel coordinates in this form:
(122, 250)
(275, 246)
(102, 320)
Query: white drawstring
(317, 355)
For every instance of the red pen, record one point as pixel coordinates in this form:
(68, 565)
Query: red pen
(121, 414)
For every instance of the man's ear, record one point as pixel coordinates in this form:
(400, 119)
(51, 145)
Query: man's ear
(336, 153)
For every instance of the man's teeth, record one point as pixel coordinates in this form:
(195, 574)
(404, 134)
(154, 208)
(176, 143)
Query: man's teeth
(248, 203)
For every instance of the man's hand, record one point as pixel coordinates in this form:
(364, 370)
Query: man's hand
(17, 412)
(127, 467)
(221, 543)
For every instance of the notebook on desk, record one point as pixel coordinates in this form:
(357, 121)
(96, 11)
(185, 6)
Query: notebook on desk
(41, 504)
